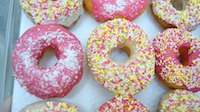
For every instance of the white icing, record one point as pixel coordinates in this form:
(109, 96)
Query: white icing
(111, 8)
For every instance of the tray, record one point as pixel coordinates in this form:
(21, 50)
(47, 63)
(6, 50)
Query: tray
(88, 95)
(9, 31)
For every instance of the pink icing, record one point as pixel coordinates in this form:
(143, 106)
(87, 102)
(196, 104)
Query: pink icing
(109, 9)
(56, 81)
(177, 62)
(123, 104)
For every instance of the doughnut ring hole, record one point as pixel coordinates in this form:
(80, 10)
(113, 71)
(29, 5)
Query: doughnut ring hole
(48, 58)
(179, 5)
(183, 54)
(123, 52)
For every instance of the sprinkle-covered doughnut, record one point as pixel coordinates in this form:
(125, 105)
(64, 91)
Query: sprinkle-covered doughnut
(187, 19)
(50, 106)
(104, 10)
(126, 78)
(180, 101)
(64, 12)
(178, 58)
(58, 80)
(123, 104)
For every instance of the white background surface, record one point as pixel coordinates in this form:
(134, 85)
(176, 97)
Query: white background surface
(88, 95)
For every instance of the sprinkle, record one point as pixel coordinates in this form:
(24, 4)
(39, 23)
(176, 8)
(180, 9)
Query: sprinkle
(130, 77)
(167, 45)
(180, 101)
(51, 106)
(123, 104)
(187, 19)
(48, 11)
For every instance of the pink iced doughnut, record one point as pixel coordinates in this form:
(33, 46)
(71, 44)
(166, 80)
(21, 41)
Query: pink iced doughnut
(178, 59)
(123, 104)
(56, 81)
(104, 10)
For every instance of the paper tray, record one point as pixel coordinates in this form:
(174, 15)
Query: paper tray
(88, 95)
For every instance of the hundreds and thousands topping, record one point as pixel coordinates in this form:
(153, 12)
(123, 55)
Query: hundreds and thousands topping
(178, 58)
(180, 101)
(108, 9)
(126, 78)
(50, 11)
(123, 104)
(50, 106)
(188, 18)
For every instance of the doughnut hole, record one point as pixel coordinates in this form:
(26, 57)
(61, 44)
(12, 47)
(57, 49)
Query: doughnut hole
(179, 5)
(123, 52)
(186, 58)
(183, 54)
(48, 58)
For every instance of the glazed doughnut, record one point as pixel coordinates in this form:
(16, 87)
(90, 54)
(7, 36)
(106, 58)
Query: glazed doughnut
(58, 80)
(103, 10)
(168, 16)
(50, 106)
(126, 78)
(178, 59)
(63, 12)
(123, 104)
(180, 101)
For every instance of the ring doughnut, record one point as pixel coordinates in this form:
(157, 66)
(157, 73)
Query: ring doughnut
(178, 59)
(123, 104)
(188, 18)
(58, 80)
(180, 101)
(103, 10)
(126, 78)
(63, 12)
(50, 106)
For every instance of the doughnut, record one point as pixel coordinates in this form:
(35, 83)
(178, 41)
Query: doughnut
(180, 101)
(103, 10)
(55, 81)
(63, 12)
(50, 106)
(131, 76)
(123, 104)
(178, 59)
(169, 17)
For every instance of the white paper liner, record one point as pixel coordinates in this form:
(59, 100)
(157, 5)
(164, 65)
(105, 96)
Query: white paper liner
(88, 95)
